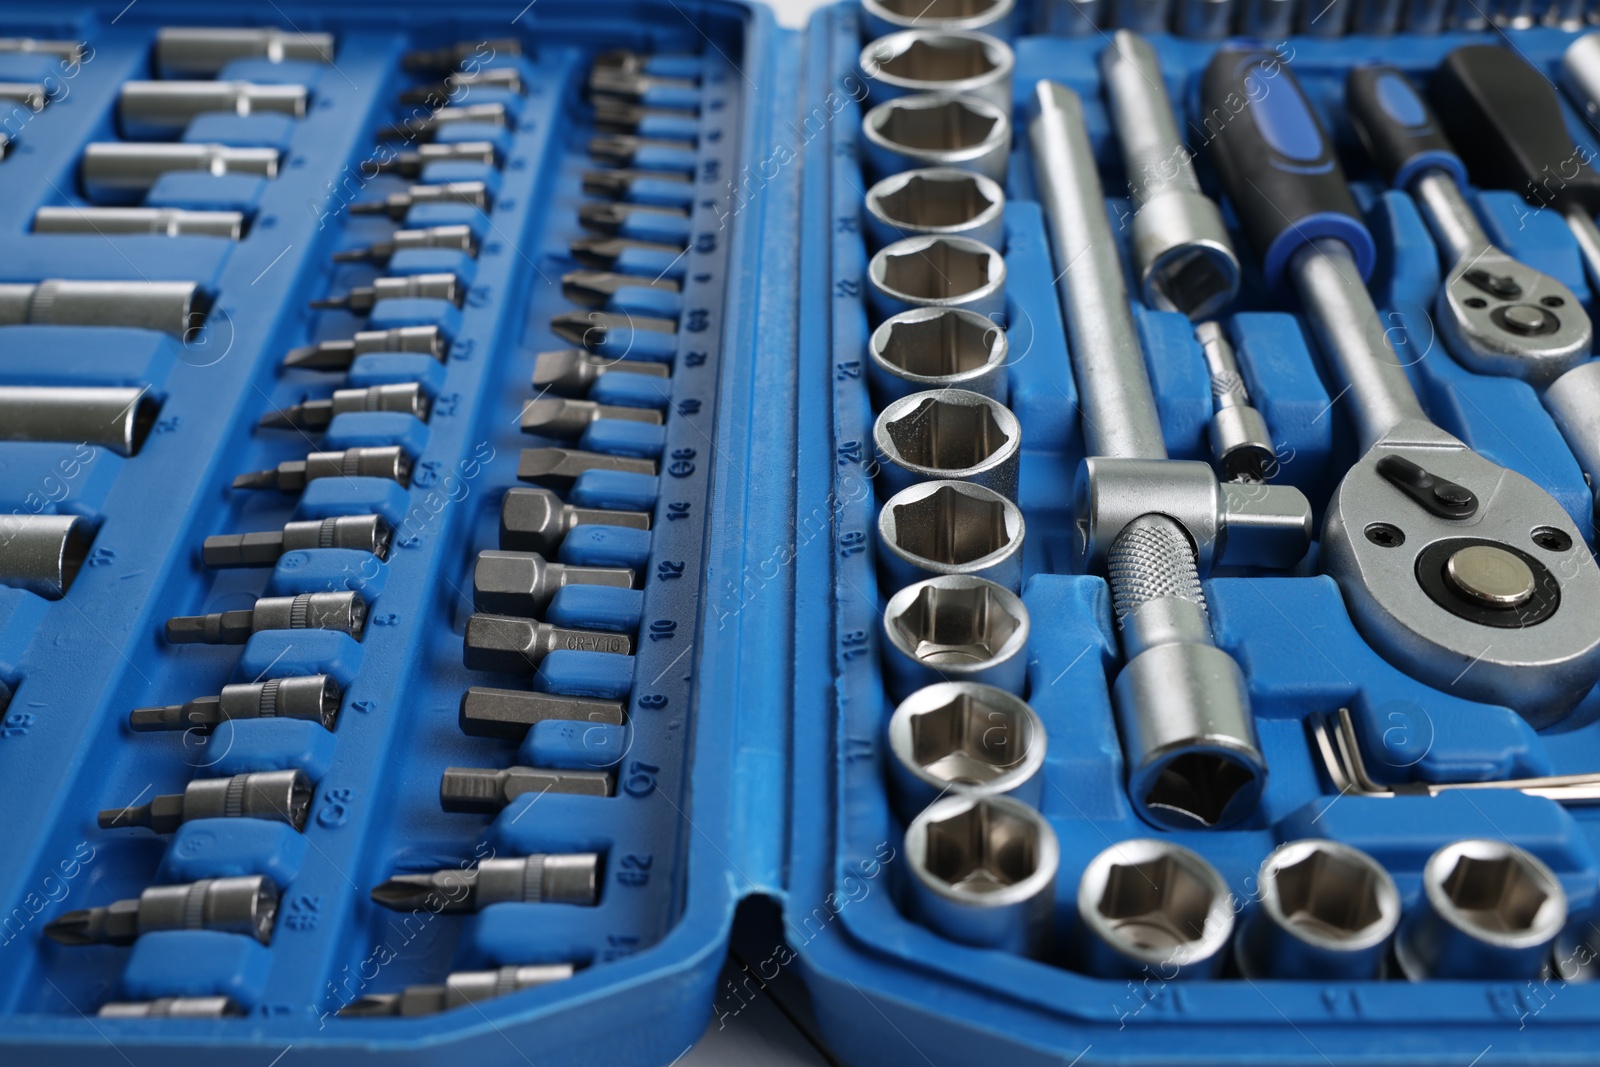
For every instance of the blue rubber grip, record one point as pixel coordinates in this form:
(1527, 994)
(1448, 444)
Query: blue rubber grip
(1400, 130)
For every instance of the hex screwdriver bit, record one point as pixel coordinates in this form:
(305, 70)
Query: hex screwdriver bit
(426, 127)
(291, 476)
(448, 58)
(523, 583)
(458, 990)
(596, 288)
(311, 697)
(536, 520)
(361, 299)
(542, 878)
(338, 355)
(558, 468)
(485, 790)
(463, 82)
(566, 419)
(507, 713)
(364, 533)
(593, 328)
(601, 253)
(449, 238)
(314, 414)
(572, 371)
(246, 905)
(395, 205)
(278, 796)
(344, 612)
(517, 646)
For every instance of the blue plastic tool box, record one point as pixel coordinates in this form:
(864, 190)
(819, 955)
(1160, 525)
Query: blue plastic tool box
(753, 756)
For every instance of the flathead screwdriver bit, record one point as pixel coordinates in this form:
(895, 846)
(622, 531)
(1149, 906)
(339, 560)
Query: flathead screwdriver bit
(247, 905)
(426, 127)
(395, 205)
(572, 371)
(485, 790)
(449, 57)
(602, 253)
(463, 81)
(345, 612)
(542, 878)
(310, 697)
(406, 398)
(458, 990)
(262, 548)
(291, 476)
(558, 468)
(592, 329)
(566, 419)
(512, 645)
(508, 713)
(277, 796)
(361, 299)
(450, 238)
(171, 1008)
(523, 583)
(618, 114)
(409, 164)
(338, 355)
(595, 288)
(537, 520)
(616, 183)
(619, 149)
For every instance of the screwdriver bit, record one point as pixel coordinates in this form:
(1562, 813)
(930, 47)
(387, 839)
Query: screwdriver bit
(601, 252)
(360, 300)
(409, 164)
(566, 419)
(485, 790)
(291, 476)
(365, 533)
(593, 328)
(338, 355)
(542, 878)
(610, 216)
(446, 59)
(459, 990)
(311, 697)
(507, 78)
(507, 713)
(407, 398)
(631, 85)
(428, 126)
(537, 520)
(246, 905)
(594, 288)
(451, 238)
(523, 583)
(618, 149)
(627, 61)
(571, 371)
(70, 52)
(558, 468)
(618, 114)
(278, 796)
(617, 182)
(517, 646)
(345, 612)
(170, 1008)
(395, 205)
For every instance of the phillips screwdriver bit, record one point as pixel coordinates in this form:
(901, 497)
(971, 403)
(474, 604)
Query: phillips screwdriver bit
(446, 59)
(338, 355)
(463, 81)
(170, 1008)
(247, 905)
(507, 713)
(594, 288)
(571, 371)
(312, 698)
(602, 253)
(542, 878)
(517, 646)
(291, 476)
(558, 468)
(407, 398)
(428, 126)
(409, 164)
(395, 205)
(345, 612)
(459, 990)
(365, 533)
(451, 238)
(566, 419)
(523, 583)
(536, 520)
(360, 300)
(593, 328)
(485, 790)
(619, 149)
(278, 796)
(616, 183)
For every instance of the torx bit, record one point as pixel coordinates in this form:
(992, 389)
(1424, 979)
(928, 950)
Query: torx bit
(536, 520)
(311, 697)
(523, 583)
(246, 905)
(611, 216)
(618, 149)
(616, 183)
(459, 990)
(425, 127)
(517, 646)
(407, 398)
(291, 476)
(507, 78)
(566, 419)
(485, 790)
(542, 878)
(595, 288)
(451, 238)
(558, 468)
(338, 355)
(592, 328)
(395, 205)
(361, 299)
(409, 164)
(344, 612)
(448, 58)
(508, 713)
(601, 253)
(278, 796)
(262, 548)
(170, 1008)
(571, 371)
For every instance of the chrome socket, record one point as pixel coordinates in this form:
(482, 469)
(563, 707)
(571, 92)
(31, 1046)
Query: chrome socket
(168, 307)
(202, 52)
(937, 131)
(161, 221)
(1150, 907)
(1326, 913)
(948, 434)
(938, 202)
(1069, 18)
(963, 739)
(1269, 19)
(1489, 910)
(115, 418)
(880, 17)
(164, 109)
(955, 628)
(953, 272)
(1204, 20)
(117, 172)
(949, 527)
(42, 553)
(983, 872)
(941, 63)
(936, 349)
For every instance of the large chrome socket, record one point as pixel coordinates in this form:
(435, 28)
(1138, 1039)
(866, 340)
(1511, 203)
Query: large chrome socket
(948, 434)
(953, 272)
(164, 109)
(937, 131)
(1326, 913)
(115, 172)
(936, 349)
(42, 553)
(174, 308)
(963, 739)
(1489, 910)
(116, 418)
(983, 872)
(949, 527)
(937, 202)
(1152, 908)
(880, 17)
(955, 628)
(939, 62)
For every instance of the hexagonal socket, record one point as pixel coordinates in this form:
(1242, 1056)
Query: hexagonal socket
(937, 349)
(936, 271)
(523, 583)
(1326, 912)
(940, 62)
(948, 434)
(880, 17)
(949, 527)
(937, 201)
(963, 739)
(927, 130)
(1152, 907)
(955, 628)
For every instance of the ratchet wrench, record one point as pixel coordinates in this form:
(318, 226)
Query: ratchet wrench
(1463, 573)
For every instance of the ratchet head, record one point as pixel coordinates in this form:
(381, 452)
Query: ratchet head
(1502, 317)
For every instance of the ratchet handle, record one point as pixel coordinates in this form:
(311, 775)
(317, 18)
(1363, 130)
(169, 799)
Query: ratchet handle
(1400, 130)
(1277, 163)
(1506, 117)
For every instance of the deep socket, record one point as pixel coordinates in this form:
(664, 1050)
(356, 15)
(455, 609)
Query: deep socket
(164, 109)
(409, 164)
(247, 905)
(277, 796)
(536, 520)
(161, 221)
(115, 418)
(955, 628)
(1240, 442)
(936, 201)
(948, 434)
(363, 298)
(342, 612)
(202, 52)
(338, 355)
(880, 17)
(935, 271)
(397, 205)
(452, 238)
(174, 308)
(949, 527)
(42, 553)
(459, 990)
(963, 739)
(313, 698)
(553, 878)
(315, 414)
(363, 533)
(936, 349)
(292, 476)
(1150, 907)
(1326, 912)
(940, 62)
(964, 132)
(118, 172)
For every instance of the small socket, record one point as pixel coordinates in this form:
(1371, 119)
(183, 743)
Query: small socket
(955, 628)
(953, 272)
(937, 349)
(936, 201)
(941, 63)
(927, 130)
(948, 434)
(880, 17)
(1326, 912)
(963, 739)
(1152, 907)
(949, 527)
